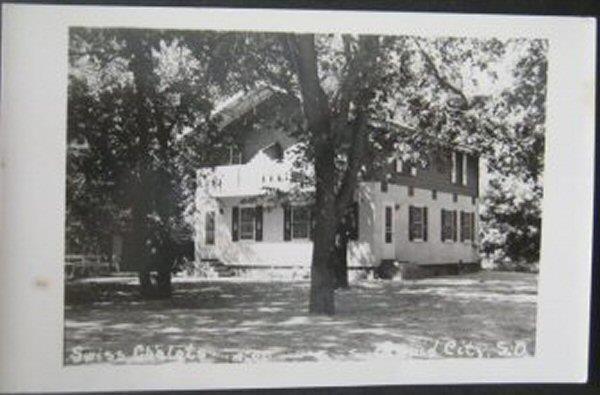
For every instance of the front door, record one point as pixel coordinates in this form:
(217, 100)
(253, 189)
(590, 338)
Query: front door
(387, 233)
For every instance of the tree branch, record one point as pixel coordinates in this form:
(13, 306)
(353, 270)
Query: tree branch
(443, 81)
(364, 86)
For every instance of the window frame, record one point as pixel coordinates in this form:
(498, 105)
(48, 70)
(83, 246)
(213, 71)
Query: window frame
(464, 179)
(241, 223)
(468, 219)
(399, 166)
(448, 230)
(453, 174)
(293, 223)
(421, 223)
(235, 155)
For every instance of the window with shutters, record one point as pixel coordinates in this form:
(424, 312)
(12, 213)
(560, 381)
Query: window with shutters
(209, 230)
(467, 226)
(300, 222)
(448, 225)
(417, 223)
(247, 223)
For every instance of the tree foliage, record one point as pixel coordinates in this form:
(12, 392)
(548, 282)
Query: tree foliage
(138, 125)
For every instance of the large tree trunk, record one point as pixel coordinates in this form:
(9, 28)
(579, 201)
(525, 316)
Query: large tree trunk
(316, 110)
(163, 284)
(145, 191)
(341, 254)
(322, 277)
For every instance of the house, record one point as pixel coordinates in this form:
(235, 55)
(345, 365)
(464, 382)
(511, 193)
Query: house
(420, 216)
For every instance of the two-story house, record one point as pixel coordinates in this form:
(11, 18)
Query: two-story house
(425, 216)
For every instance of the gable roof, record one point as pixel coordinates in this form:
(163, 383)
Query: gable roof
(244, 102)
(241, 104)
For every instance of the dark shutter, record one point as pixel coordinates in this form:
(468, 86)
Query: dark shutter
(287, 223)
(411, 220)
(462, 226)
(209, 228)
(442, 225)
(454, 235)
(258, 223)
(424, 223)
(235, 223)
(472, 226)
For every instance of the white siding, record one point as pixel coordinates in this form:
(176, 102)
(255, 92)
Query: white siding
(367, 251)
(432, 251)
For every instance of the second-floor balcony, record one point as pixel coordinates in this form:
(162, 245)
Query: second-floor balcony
(250, 179)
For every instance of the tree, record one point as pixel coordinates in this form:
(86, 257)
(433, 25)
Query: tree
(512, 205)
(139, 116)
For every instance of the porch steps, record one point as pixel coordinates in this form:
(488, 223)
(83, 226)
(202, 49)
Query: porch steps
(219, 267)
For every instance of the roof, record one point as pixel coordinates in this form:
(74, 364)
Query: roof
(242, 103)
(457, 147)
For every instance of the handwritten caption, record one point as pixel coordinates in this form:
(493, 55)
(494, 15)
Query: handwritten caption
(159, 353)
(457, 348)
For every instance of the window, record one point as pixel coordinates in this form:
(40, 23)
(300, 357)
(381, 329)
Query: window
(455, 197)
(448, 225)
(388, 224)
(405, 168)
(473, 200)
(417, 222)
(411, 191)
(300, 222)
(399, 166)
(434, 194)
(467, 226)
(209, 224)
(247, 223)
(235, 156)
(459, 168)
(464, 169)
(384, 186)
(453, 168)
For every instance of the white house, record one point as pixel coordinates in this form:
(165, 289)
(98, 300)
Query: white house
(425, 216)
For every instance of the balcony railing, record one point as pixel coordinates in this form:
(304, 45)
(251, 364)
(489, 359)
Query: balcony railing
(247, 179)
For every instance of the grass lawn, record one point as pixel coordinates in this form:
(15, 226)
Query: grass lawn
(486, 314)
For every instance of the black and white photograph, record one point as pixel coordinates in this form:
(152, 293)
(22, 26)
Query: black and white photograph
(215, 198)
(250, 196)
